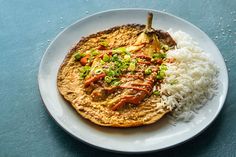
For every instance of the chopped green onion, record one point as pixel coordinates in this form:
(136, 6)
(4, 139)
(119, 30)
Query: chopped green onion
(159, 55)
(118, 64)
(102, 62)
(121, 65)
(127, 57)
(113, 73)
(108, 79)
(156, 92)
(163, 67)
(104, 43)
(110, 72)
(119, 50)
(160, 75)
(132, 66)
(84, 71)
(115, 57)
(98, 71)
(79, 55)
(148, 71)
(124, 66)
(117, 72)
(115, 83)
(106, 58)
(95, 52)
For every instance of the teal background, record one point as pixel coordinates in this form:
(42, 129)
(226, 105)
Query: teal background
(26, 29)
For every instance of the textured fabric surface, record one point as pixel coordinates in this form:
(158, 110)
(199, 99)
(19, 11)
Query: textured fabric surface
(26, 29)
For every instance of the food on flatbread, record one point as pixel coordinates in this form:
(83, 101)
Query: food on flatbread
(113, 77)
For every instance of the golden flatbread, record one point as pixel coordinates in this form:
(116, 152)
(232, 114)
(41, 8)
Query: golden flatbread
(112, 77)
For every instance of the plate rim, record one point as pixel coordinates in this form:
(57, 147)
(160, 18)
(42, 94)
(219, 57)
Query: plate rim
(125, 151)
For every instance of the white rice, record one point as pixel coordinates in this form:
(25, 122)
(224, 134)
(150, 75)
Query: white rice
(191, 80)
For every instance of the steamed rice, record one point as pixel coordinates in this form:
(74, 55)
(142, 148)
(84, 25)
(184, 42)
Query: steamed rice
(191, 80)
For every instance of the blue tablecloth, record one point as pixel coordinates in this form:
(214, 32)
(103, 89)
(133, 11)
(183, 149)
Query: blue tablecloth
(26, 29)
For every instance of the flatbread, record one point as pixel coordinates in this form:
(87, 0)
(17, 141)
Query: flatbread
(72, 88)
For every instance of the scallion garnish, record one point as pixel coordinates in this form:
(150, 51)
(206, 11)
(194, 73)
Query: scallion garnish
(79, 55)
(163, 67)
(115, 83)
(148, 71)
(110, 72)
(108, 79)
(104, 43)
(127, 58)
(106, 58)
(132, 66)
(160, 75)
(159, 55)
(119, 50)
(102, 62)
(95, 52)
(84, 71)
(98, 71)
(115, 58)
(156, 92)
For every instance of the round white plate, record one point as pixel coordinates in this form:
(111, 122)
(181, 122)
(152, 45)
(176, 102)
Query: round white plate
(141, 139)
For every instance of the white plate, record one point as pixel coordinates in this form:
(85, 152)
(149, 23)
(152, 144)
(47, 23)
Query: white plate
(142, 139)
